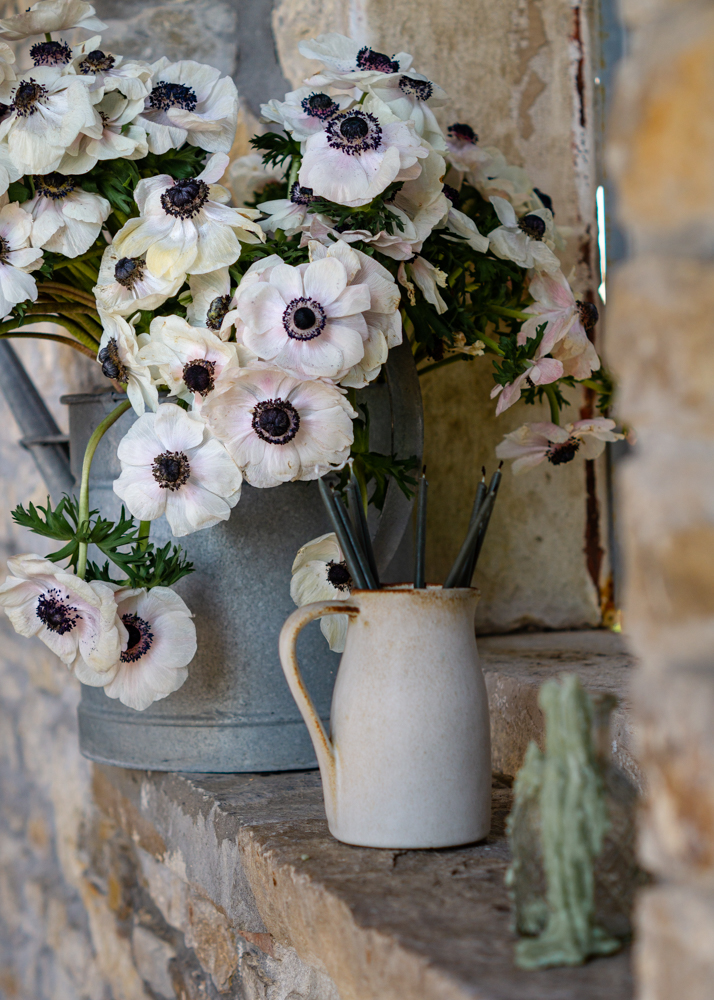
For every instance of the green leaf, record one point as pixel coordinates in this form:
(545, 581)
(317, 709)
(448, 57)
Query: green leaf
(18, 192)
(277, 148)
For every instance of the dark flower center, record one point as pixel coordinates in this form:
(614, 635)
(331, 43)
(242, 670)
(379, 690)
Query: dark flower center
(185, 198)
(217, 311)
(54, 612)
(26, 98)
(275, 421)
(545, 199)
(319, 105)
(171, 470)
(301, 195)
(588, 314)
(172, 95)
(96, 61)
(369, 59)
(559, 454)
(55, 186)
(463, 132)
(129, 270)
(198, 376)
(339, 576)
(451, 193)
(304, 319)
(110, 361)
(421, 89)
(4, 250)
(533, 226)
(354, 132)
(51, 54)
(140, 638)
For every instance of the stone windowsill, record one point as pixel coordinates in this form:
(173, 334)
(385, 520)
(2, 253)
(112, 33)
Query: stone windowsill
(381, 924)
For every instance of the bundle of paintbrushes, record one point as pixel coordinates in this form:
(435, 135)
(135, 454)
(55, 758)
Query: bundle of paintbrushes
(350, 526)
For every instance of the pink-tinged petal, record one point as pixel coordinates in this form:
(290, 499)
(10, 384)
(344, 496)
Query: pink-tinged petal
(354, 299)
(140, 445)
(325, 280)
(142, 495)
(547, 370)
(175, 429)
(288, 282)
(261, 308)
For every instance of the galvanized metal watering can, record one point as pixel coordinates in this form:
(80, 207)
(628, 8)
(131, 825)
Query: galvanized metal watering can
(407, 763)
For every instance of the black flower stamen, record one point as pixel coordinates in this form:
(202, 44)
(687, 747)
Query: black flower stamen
(55, 186)
(217, 311)
(111, 363)
(545, 199)
(319, 105)
(533, 226)
(559, 454)
(304, 319)
(172, 95)
(462, 132)
(51, 54)
(301, 195)
(140, 638)
(199, 376)
(421, 89)
(369, 59)
(354, 132)
(96, 61)
(339, 576)
(54, 612)
(588, 314)
(171, 470)
(275, 421)
(26, 98)
(4, 250)
(128, 271)
(451, 193)
(185, 198)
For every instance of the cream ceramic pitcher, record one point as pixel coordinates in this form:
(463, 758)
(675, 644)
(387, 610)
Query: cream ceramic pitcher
(408, 761)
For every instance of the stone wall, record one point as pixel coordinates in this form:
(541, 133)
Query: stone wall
(660, 342)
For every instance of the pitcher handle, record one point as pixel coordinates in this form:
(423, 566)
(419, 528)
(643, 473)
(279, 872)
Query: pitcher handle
(288, 638)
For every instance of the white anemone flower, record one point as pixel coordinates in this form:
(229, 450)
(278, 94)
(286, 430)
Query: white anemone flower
(75, 619)
(189, 102)
(51, 15)
(383, 318)
(193, 362)
(459, 223)
(160, 645)
(7, 72)
(119, 140)
(359, 153)
(307, 320)
(184, 227)
(521, 240)
(8, 171)
(463, 151)
(65, 219)
(567, 323)
(110, 72)
(290, 215)
(119, 357)
(320, 574)
(304, 111)
(533, 443)
(540, 371)
(427, 278)
(211, 302)
(171, 465)
(411, 97)
(48, 111)
(125, 284)
(349, 64)
(279, 429)
(16, 258)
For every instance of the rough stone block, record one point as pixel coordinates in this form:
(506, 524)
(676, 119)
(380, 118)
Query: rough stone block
(674, 953)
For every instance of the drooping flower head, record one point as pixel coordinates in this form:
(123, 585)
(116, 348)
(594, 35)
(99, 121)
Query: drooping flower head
(47, 16)
(540, 371)
(119, 357)
(279, 429)
(65, 219)
(126, 284)
(348, 63)
(17, 258)
(119, 138)
(521, 240)
(160, 644)
(533, 443)
(189, 102)
(111, 72)
(320, 573)
(75, 619)
(171, 465)
(184, 226)
(412, 97)
(304, 111)
(567, 321)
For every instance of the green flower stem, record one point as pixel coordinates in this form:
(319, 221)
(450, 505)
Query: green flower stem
(70, 292)
(549, 390)
(78, 265)
(57, 338)
(90, 324)
(294, 169)
(48, 36)
(143, 535)
(89, 255)
(94, 440)
(76, 331)
(502, 311)
(491, 344)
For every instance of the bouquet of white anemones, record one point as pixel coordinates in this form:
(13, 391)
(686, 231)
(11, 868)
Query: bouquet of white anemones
(260, 321)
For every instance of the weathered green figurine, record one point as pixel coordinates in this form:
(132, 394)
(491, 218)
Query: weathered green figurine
(558, 827)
